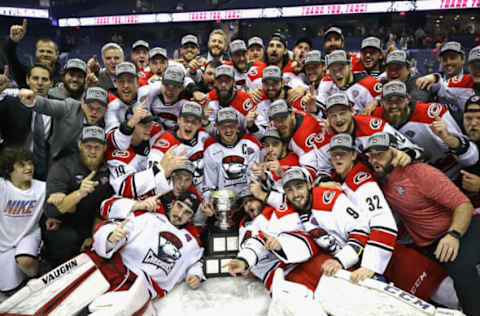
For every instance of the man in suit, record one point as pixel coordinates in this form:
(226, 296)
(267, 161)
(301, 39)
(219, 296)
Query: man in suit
(112, 55)
(68, 117)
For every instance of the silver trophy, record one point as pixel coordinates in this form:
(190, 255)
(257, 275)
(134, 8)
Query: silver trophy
(223, 202)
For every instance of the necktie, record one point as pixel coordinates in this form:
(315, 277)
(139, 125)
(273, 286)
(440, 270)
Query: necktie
(40, 148)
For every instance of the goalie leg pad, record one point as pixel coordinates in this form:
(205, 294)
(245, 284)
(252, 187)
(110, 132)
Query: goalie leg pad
(310, 272)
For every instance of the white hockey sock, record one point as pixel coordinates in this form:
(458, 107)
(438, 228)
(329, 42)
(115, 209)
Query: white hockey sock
(445, 294)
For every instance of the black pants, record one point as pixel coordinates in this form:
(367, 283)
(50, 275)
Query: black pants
(62, 244)
(463, 269)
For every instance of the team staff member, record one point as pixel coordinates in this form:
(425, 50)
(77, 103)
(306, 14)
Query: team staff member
(73, 85)
(436, 214)
(79, 183)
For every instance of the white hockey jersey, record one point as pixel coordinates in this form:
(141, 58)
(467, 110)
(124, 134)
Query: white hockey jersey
(437, 153)
(117, 109)
(20, 211)
(129, 175)
(362, 91)
(154, 248)
(193, 151)
(456, 90)
(251, 79)
(362, 189)
(229, 167)
(167, 114)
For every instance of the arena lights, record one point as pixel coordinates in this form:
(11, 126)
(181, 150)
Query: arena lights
(24, 12)
(298, 11)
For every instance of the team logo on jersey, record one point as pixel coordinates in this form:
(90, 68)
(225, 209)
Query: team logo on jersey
(456, 79)
(282, 208)
(234, 167)
(167, 254)
(247, 104)
(410, 134)
(310, 141)
(197, 161)
(375, 123)
(434, 110)
(163, 143)
(167, 116)
(324, 240)
(377, 87)
(360, 177)
(328, 197)
(253, 71)
(121, 154)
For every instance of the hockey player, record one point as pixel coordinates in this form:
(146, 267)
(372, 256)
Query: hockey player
(360, 88)
(452, 58)
(188, 137)
(431, 126)
(229, 157)
(157, 63)
(21, 205)
(248, 75)
(139, 54)
(334, 40)
(371, 56)
(256, 49)
(314, 68)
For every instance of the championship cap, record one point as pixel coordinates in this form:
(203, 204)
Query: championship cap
(278, 108)
(255, 41)
(372, 41)
(313, 57)
(337, 99)
(140, 43)
(474, 99)
(271, 132)
(474, 54)
(191, 199)
(158, 51)
(224, 70)
(190, 38)
(147, 119)
(76, 63)
(96, 94)
(272, 73)
(452, 46)
(125, 68)
(245, 193)
(380, 141)
(394, 88)
(333, 29)
(226, 115)
(344, 141)
(237, 45)
(93, 133)
(337, 56)
(294, 173)
(188, 166)
(397, 57)
(279, 37)
(191, 108)
(174, 75)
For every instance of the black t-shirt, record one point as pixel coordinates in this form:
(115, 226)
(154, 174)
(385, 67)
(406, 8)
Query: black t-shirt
(66, 176)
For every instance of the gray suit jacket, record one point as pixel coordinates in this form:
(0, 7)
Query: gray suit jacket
(61, 93)
(105, 81)
(67, 123)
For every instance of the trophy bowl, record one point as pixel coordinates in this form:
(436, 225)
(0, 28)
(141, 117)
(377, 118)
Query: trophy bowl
(223, 202)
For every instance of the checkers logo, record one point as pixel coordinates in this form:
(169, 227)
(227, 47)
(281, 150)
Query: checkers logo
(434, 110)
(375, 123)
(328, 197)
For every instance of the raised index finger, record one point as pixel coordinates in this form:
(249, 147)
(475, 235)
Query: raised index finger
(123, 223)
(91, 175)
(5, 71)
(24, 25)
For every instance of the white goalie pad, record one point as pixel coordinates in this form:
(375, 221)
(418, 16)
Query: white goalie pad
(134, 301)
(340, 297)
(65, 290)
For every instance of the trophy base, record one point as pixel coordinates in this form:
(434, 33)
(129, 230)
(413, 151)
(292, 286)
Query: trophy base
(214, 265)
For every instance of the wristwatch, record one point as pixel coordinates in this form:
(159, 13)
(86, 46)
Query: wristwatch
(454, 234)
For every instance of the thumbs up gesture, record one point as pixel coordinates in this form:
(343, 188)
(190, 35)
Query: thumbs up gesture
(17, 32)
(93, 65)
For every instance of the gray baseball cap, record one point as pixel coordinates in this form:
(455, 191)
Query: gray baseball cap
(394, 88)
(278, 108)
(372, 42)
(255, 41)
(474, 54)
(294, 173)
(237, 45)
(225, 70)
(191, 108)
(272, 73)
(140, 43)
(313, 57)
(93, 133)
(452, 46)
(125, 68)
(158, 51)
(76, 63)
(96, 94)
(337, 99)
(344, 141)
(333, 29)
(379, 141)
(174, 75)
(188, 166)
(190, 38)
(397, 57)
(226, 115)
(245, 193)
(337, 57)
(271, 132)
